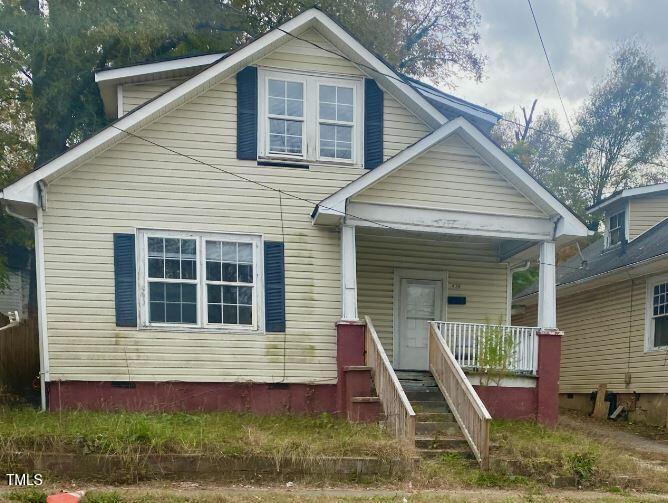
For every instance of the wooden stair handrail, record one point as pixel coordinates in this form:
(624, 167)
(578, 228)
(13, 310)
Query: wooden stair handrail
(399, 413)
(465, 404)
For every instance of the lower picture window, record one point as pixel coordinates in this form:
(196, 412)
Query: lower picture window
(208, 280)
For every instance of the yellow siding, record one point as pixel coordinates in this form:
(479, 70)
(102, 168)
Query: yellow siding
(450, 176)
(473, 271)
(604, 337)
(646, 212)
(139, 93)
(136, 185)
(401, 128)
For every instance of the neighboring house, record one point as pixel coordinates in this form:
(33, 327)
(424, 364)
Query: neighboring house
(172, 272)
(612, 304)
(15, 296)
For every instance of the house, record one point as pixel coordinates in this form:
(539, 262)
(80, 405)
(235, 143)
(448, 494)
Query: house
(220, 244)
(15, 297)
(612, 307)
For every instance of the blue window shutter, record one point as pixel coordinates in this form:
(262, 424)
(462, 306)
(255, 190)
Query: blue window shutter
(373, 124)
(274, 286)
(247, 113)
(125, 279)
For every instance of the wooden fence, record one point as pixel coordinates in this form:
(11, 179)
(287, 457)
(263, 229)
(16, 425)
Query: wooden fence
(19, 357)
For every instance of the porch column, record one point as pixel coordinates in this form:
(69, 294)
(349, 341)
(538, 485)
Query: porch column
(348, 273)
(547, 286)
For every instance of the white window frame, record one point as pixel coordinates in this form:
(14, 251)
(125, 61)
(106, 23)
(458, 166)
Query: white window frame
(201, 238)
(608, 230)
(649, 313)
(311, 128)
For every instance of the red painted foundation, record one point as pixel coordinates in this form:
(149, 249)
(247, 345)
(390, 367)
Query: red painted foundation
(505, 402)
(173, 396)
(547, 388)
(353, 381)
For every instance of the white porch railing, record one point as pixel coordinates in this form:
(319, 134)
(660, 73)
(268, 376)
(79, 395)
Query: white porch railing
(464, 340)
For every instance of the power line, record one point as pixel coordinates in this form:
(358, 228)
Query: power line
(549, 65)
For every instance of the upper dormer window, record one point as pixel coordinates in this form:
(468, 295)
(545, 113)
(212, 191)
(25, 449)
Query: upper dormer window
(310, 117)
(616, 228)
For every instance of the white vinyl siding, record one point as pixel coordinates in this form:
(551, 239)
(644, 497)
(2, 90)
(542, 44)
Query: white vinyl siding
(450, 176)
(646, 212)
(138, 93)
(604, 337)
(137, 185)
(472, 267)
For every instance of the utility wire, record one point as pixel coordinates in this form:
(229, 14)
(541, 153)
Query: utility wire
(549, 65)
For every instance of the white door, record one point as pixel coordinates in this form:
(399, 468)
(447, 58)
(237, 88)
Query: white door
(420, 301)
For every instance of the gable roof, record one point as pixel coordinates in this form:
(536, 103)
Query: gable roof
(627, 193)
(596, 261)
(567, 224)
(25, 190)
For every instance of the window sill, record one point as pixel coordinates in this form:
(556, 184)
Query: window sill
(304, 163)
(201, 330)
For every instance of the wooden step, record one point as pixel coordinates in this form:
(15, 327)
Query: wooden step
(450, 442)
(436, 453)
(435, 416)
(425, 396)
(443, 428)
(430, 407)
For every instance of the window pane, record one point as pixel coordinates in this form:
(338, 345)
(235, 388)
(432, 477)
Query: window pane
(156, 268)
(213, 294)
(344, 113)
(339, 149)
(327, 149)
(230, 272)
(294, 108)
(189, 293)
(156, 292)
(157, 312)
(344, 133)
(245, 315)
(277, 106)
(245, 253)
(327, 132)
(188, 248)
(213, 271)
(276, 87)
(343, 152)
(328, 94)
(661, 331)
(212, 250)
(293, 145)
(173, 292)
(155, 247)
(245, 273)
(246, 295)
(172, 269)
(295, 90)
(189, 313)
(173, 312)
(188, 269)
(287, 138)
(172, 248)
(328, 111)
(215, 313)
(230, 315)
(229, 252)
(344, 95)
(276, 143)
(230, 294)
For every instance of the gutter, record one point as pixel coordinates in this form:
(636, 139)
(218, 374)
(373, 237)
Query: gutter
(41, 306)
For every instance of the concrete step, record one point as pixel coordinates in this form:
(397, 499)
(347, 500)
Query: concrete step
(443, 428)
(450, 442)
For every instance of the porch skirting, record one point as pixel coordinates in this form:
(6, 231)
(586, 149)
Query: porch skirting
(258, 398)
(505, 402)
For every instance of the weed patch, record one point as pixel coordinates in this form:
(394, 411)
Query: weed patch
(27, 496)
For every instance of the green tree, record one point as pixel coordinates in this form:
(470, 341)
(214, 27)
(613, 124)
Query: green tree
(624, 120)
(423, 38)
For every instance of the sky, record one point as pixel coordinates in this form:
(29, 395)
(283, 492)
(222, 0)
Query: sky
(579, 36)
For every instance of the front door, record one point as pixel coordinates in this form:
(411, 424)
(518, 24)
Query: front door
(420, 301)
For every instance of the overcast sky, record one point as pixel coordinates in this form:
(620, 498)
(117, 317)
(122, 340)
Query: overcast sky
(578, 34)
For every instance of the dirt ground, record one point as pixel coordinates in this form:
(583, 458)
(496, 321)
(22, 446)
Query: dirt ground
(198, 493)
(619, 433)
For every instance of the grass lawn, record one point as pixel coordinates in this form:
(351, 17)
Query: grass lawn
(525, 456)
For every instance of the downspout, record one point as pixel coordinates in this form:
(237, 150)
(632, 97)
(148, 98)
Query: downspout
(41, 308)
